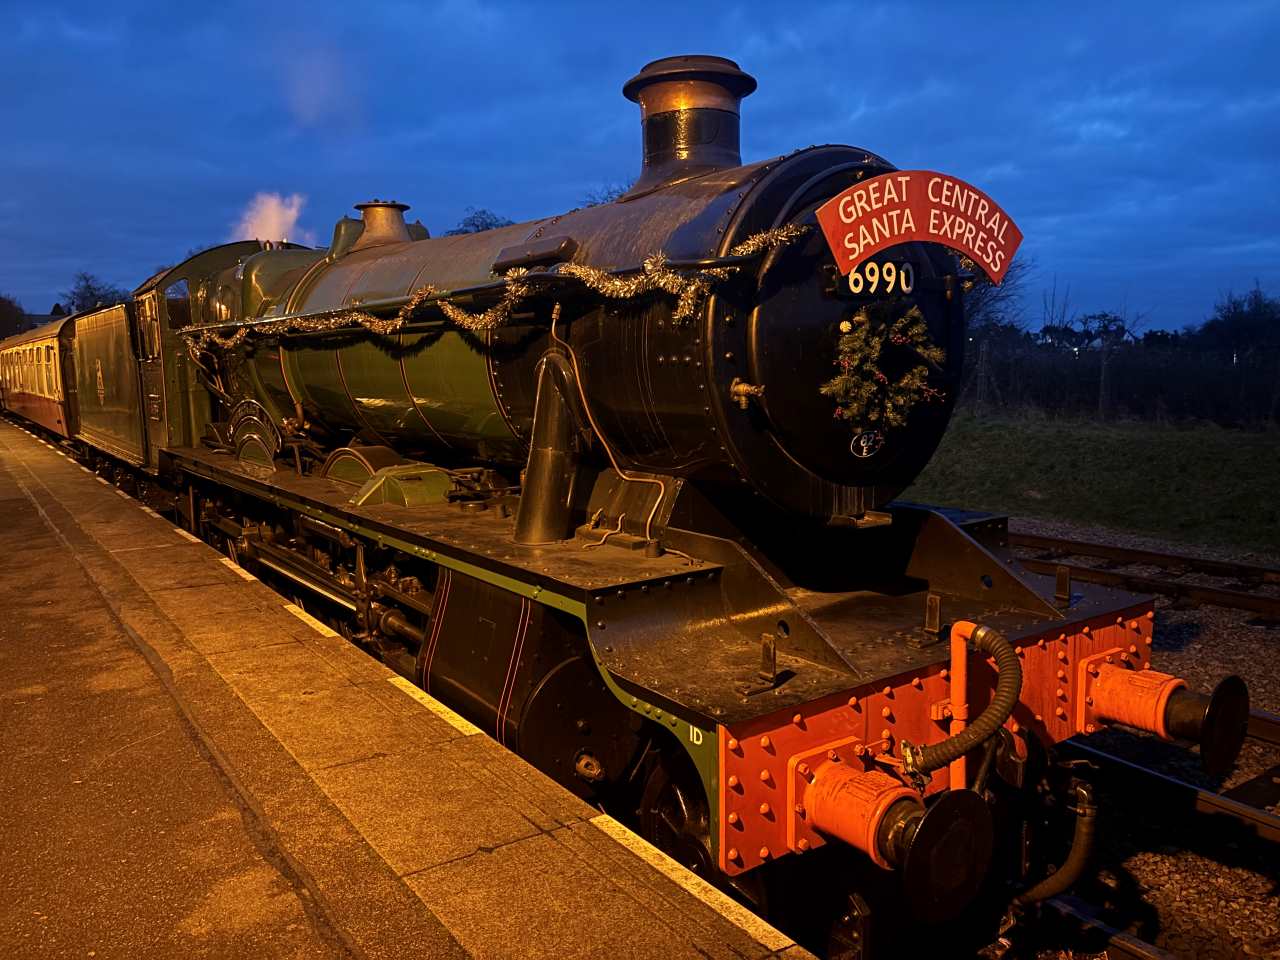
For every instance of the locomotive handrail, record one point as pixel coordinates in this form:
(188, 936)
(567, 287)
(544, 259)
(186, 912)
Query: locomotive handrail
(385, 304)
(389, 304)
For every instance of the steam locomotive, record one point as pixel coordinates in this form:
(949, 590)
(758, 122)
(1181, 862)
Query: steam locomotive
(585, 480)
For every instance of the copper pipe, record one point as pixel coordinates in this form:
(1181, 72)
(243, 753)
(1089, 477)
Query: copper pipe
(958, 772)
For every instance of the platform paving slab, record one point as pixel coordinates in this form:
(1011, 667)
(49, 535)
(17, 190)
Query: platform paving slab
(400, 829)
(120, 838)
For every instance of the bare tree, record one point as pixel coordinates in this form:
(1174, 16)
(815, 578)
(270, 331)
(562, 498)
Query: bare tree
(89, 291)
(478, 220)
(11, 317)
(989, 305)
(605, 194)
(1107, 331)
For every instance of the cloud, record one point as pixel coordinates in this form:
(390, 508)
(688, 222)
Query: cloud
(318, 85)
(41, 28)
(271, 216)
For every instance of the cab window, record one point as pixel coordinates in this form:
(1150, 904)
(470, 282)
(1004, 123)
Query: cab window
(177, 301)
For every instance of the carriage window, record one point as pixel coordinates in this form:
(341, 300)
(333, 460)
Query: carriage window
(51, 357)
(177, 301)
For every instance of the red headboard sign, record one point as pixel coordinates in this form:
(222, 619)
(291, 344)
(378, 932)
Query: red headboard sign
(909, 205)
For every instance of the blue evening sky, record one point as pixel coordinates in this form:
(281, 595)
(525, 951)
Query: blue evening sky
(1136, 144)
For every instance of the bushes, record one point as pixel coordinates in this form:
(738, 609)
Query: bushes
(1143, 381)
(1225, 370)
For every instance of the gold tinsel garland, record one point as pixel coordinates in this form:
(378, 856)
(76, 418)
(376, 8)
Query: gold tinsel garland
(863, 392)
(688, 287)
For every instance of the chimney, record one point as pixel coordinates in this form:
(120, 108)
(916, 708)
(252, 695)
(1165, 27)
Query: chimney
(689, 114)
(383, 223)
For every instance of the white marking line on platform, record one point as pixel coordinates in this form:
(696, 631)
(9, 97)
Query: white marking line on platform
(146, 509)
(123, 494)
(86, 470)
(309, 620)
(461, 724)
(101, 481)
(734, 912)
(187, 536)
(238, 570)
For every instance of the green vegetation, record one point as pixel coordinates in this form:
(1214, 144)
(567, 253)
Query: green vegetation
(1199, 483)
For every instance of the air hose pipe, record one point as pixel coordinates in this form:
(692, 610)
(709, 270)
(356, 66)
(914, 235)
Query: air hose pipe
(1081, 846)
(920, 761)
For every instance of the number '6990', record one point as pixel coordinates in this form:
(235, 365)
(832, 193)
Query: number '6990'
(873, 277)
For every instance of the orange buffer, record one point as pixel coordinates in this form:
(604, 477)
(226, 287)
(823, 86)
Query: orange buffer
(1136, 698)
(847, 802)
(1118, 691)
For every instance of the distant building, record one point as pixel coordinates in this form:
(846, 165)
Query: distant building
(32, 320)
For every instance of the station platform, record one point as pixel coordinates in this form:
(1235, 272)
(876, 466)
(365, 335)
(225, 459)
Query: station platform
(194, 767)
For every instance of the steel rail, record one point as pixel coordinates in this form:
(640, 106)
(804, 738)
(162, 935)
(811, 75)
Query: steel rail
(1115, 943)
(1265, 727)
(1246, 572)
(1192, 799)
(1194, 593)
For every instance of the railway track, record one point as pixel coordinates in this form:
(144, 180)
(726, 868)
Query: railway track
(1086, 931)
(1246, 589)
(1254, 804)
(1253, 807)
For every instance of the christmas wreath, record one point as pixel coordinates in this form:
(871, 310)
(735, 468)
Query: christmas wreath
(883, 367)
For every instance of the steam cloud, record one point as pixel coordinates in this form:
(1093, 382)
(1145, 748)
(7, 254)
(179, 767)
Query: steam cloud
(271, 216)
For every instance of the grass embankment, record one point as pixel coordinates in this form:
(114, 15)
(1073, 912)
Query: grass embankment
(1201, 484)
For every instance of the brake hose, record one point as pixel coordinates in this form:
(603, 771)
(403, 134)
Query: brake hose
(918, 761)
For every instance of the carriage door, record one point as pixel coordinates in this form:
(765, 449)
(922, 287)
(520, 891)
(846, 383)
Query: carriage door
(151, 368)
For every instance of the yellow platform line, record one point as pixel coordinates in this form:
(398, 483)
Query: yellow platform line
(238, 570)
(309, 620)
(187, 535)
(459, 723)
(742, 918)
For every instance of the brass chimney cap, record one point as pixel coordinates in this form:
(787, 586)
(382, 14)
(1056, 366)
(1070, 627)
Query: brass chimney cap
(719, 70)
(375, 202)
(383, 223)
